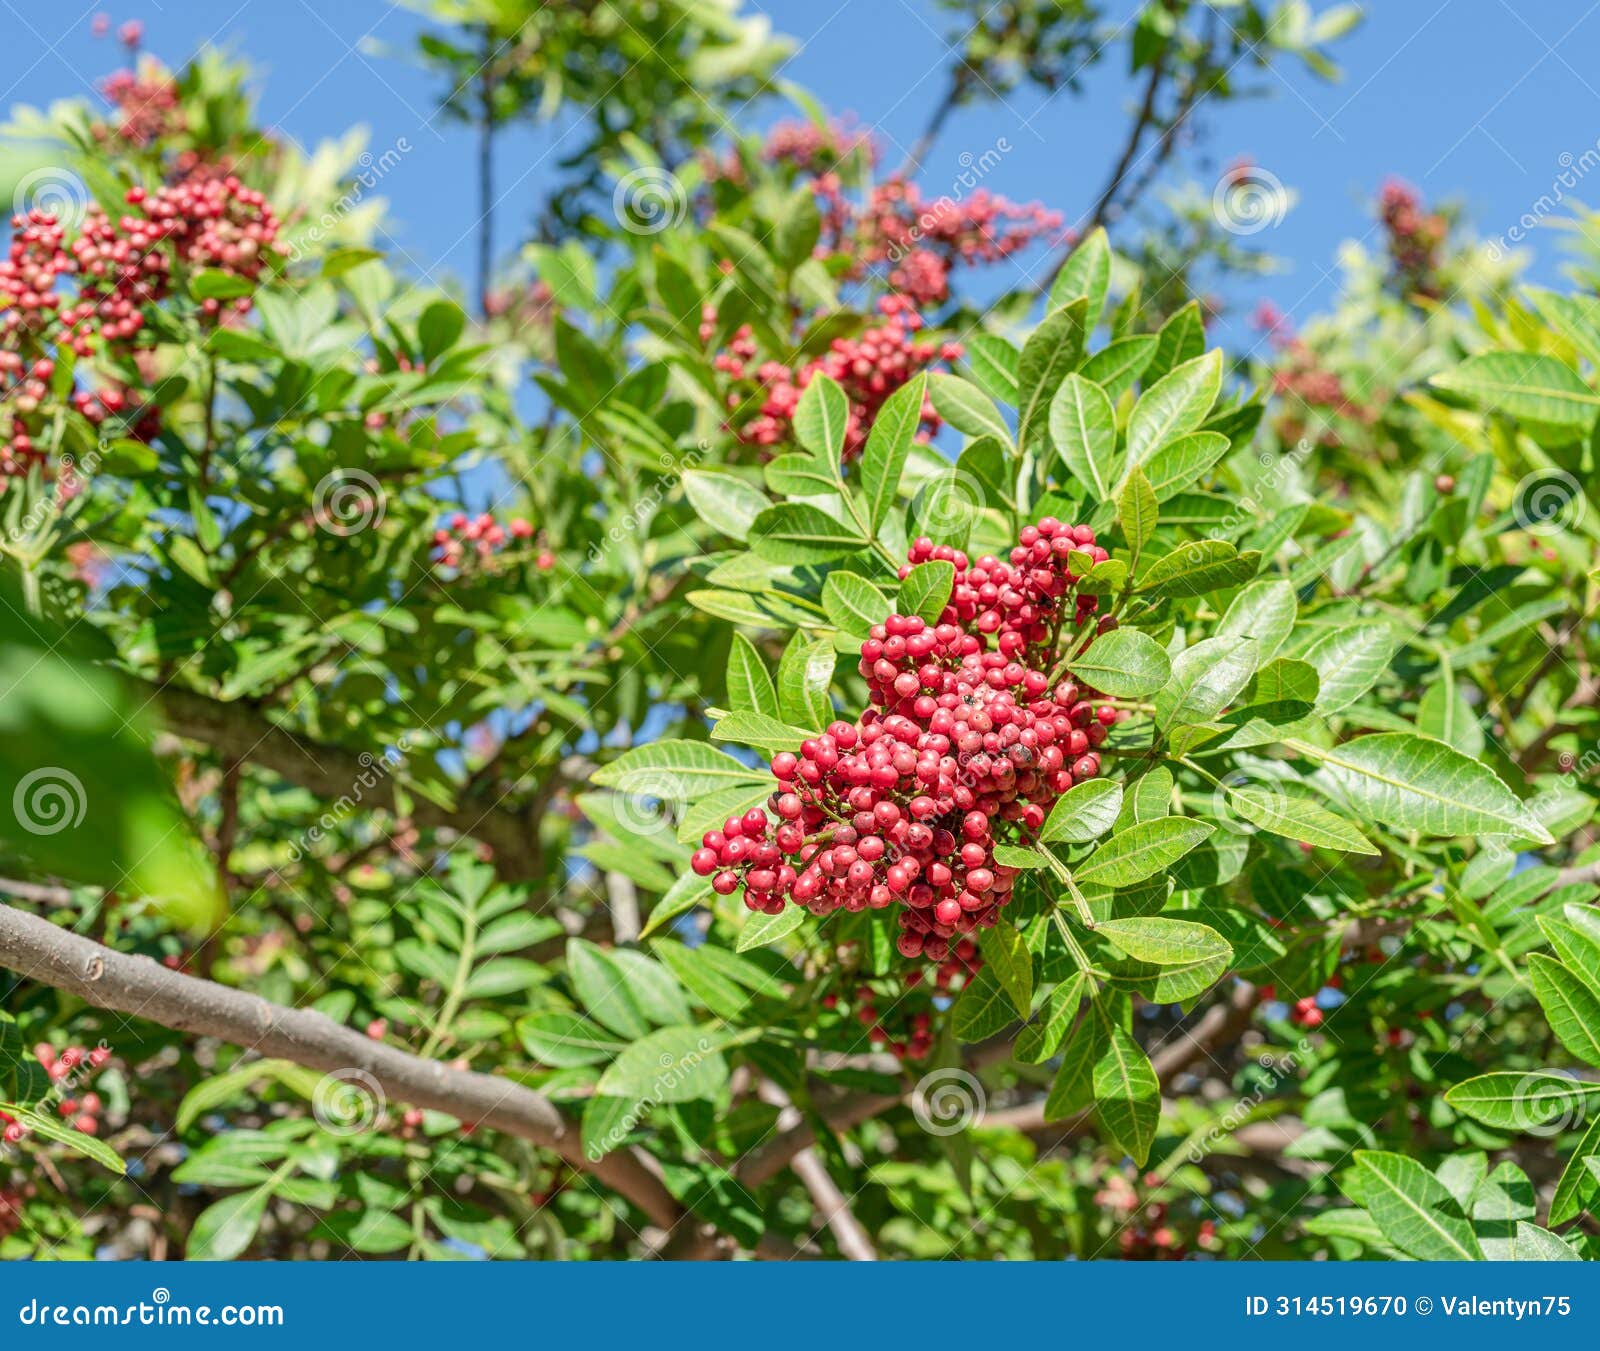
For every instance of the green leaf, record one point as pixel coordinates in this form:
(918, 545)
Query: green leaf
(1181, 463)
(1540, 1245)
(1143, 850)
(1053, 349)
(982, 1009)
(213, 284)
(798, 532)
(1445, 716)
(1166, 942)
(1577, 947)
(1523, 1102)
(966, 407)
(227, 1227)
(1264, 611)
(1086, 274)
(676, 1064)
(853, 603)
(762, 929)
(1127, 1094)
(655, 989)
(821, 418)
(805, 673)
(603, 989)
(563, 1040)
(1039, 1040)
(675, 771)
(926, 590)
(724, 502)
(1571, 1006)
(1525, 385)
(223, 1088)
(992, 362)
(750, 688)
(1083, 428)
(1118, 364)
(1085, 812)
(1296, 818)
(686, 893)
(1408, 782)
(1414, 1210)
(1579, 1186)
(1206, 678)
(608, 1122)
(1124, 663)
(761, 732)
(1137, 510)
(888, 443)
(1199, 567)
(1348, 662)
(1072, 1089)
(1175, 404)
(440, 328)
(1005, 952)
(49, 1127)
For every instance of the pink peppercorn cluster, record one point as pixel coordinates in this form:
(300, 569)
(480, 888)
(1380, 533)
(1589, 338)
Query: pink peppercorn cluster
(906, 1026)
(1414, 236)
(966, 746)
(924, 240)
(144, 104)
(74, 1064)
(94, 292)
(480, 537)
(869, 368)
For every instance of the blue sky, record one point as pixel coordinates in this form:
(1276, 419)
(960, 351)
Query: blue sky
(1478, 100)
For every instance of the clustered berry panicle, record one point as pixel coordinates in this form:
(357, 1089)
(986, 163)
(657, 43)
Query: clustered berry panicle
(967, 745)
(869, 368)
(92, 293)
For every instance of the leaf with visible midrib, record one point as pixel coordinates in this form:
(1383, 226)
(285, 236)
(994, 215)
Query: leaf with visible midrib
(1414, 1210)
(1127, 1095)
(1083, 426)
(1571, 1006)
(888, 443)
(1411, 783)
(1143, 850)
(1124, 663)
(1165, 941)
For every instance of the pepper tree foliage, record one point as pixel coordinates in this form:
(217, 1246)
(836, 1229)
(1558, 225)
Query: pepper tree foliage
(1231, 877)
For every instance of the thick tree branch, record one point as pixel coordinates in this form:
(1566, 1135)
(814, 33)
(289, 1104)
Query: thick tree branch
(238, 732)
(39, 950)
